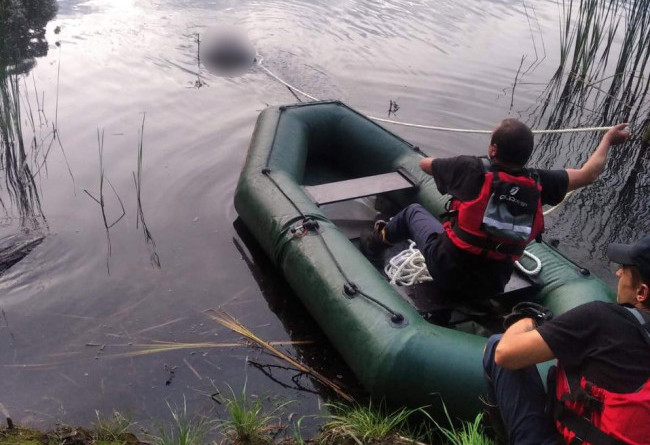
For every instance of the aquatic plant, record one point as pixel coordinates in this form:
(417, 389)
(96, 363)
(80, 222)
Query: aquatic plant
(14, 161)
(230, 322)
(137, 179)
(601, 79)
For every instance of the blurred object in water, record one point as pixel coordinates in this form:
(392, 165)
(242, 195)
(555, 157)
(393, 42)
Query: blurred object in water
(226, 51)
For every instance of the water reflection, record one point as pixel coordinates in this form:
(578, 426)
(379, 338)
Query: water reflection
(22, 34)
(22, 39)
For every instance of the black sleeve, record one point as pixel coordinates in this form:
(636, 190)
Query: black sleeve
(569, 335)
(461, 176)
(554, 185)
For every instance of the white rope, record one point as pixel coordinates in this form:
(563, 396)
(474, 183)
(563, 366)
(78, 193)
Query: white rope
(567, 196)
(270, 73)
(407, 267)
(530, 272)
(427, 127)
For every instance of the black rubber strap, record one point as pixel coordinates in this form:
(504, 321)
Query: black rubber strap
(585, 431)
(643, 319)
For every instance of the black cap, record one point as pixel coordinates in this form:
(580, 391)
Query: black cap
(637, 254)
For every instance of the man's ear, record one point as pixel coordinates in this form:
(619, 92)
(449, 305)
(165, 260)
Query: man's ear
(492, 151)
(642, 293)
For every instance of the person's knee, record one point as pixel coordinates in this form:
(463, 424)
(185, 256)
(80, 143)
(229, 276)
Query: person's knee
(488, 353)
(414, 208)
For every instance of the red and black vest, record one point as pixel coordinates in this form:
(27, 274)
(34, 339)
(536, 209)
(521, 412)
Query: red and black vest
(591, 415)
(503, 219)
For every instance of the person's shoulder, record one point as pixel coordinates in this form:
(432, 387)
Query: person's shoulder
(461, 159)
(456, 165)
(604, 312)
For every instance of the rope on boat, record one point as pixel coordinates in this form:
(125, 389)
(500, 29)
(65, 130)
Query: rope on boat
(426, 127)
(308, 225)
(409, 267)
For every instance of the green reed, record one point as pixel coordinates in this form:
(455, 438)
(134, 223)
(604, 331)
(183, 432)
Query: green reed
(604, 52)
(602, 78)
(18, 177)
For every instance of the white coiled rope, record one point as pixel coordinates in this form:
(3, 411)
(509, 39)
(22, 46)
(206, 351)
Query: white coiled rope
(407, 267)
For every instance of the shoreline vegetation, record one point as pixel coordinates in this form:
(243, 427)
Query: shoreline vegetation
(248, 422)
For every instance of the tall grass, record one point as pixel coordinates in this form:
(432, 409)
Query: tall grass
(469, 433)
(137, 179)
(602, 74)
(603, 78)
(185, 429)
(365, 424)
(249, 422)
(113, 429)
(18, 177)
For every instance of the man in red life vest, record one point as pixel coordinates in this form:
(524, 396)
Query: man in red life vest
(496, 210)
(601, 392)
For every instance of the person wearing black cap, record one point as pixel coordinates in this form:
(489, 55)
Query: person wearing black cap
(600, 392)
(471, 255)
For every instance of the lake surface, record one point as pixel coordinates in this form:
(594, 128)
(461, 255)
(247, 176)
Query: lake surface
(123, 73)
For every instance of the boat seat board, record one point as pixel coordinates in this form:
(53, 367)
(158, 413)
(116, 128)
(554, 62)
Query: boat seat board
(358, 188)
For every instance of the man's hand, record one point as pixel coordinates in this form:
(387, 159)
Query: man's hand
(521, 345)
(617, 134)
(527, 309)
(595, 165)
(425, 165)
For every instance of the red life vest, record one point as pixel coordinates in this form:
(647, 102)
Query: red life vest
(592, 415)
(467, 229)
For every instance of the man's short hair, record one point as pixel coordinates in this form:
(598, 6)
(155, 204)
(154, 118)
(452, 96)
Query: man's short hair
(514, 142)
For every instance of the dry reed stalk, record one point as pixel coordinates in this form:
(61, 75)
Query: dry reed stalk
(232, 323)
(163, 346)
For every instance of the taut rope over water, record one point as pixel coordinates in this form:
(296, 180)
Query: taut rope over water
(426, 127)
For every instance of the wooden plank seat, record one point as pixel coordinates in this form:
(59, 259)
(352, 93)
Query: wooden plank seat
(359, 187)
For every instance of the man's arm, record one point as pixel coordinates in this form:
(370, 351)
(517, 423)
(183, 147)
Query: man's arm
(596, 162)
(425, 165)
(521, 346)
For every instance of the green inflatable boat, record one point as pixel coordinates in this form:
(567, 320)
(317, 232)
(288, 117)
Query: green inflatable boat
(304, 157)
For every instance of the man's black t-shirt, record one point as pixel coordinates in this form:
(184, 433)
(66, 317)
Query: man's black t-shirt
(599, 343)
(462, 177)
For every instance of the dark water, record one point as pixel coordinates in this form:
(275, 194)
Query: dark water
(87, 294)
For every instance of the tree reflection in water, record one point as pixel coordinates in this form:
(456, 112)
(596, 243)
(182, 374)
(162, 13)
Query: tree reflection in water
(22, 40)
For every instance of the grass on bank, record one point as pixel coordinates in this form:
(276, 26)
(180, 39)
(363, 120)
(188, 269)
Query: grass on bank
(362, 424)
(249, 422)
(185, 429)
